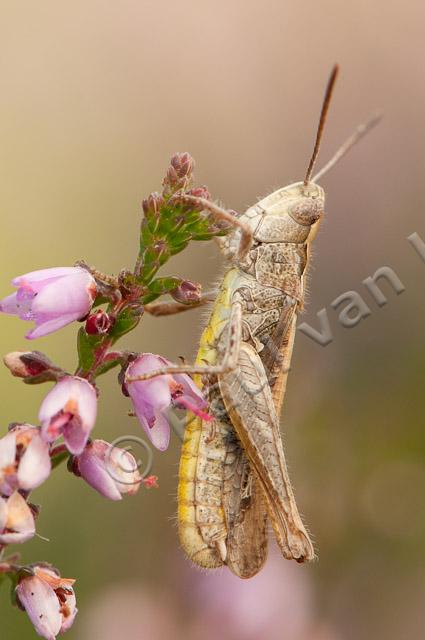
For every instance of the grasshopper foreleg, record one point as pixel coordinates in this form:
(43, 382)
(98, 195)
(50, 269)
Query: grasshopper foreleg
(221, 214)
(228, 363)
(171, 307)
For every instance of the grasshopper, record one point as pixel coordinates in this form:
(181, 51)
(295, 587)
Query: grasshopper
(233, 477)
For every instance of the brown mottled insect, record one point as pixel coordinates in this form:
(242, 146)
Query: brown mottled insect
(233, 476)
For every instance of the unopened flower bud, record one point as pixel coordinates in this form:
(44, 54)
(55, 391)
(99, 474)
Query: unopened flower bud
(183, 163)
(179, 173)
(187, 292)
(28, 364)
(98, 323)
(172, 175)
(200, 192)
(152, 205)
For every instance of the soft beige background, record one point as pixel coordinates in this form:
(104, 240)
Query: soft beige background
(94, 98)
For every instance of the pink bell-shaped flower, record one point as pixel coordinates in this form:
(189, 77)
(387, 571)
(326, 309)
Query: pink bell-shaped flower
(110, 470)
(52, 298)
(69, 409)
(24, 459)
(49, 601)
(154, 397)
(16, 520)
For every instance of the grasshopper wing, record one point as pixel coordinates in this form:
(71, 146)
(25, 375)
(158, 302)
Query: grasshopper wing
(248, 400)
(246, 514)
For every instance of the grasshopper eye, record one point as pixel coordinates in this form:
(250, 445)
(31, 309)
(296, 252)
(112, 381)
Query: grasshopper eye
(306, 211)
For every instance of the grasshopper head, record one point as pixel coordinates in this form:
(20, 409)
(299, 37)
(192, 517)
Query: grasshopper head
(290, 214)
(307, 203)
(304, 204)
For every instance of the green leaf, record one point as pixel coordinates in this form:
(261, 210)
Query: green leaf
(59, 458)
(99, 300)
(146, 236)
(152, 223)
(180, 247)
(45, 376)
(87, 345)
(203, 237)
(168, 232)
(159, 287)
(14, 580)
(107, 365)
(125, 322)
(148, 271)
(164, 285)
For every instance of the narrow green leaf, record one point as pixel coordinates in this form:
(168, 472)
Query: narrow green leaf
(125, 322)
(87, 345)
(107, 366)
(164, 285)
(45, 376)
(59, 458)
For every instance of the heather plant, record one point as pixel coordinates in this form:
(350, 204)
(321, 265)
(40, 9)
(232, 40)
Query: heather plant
(107, 307)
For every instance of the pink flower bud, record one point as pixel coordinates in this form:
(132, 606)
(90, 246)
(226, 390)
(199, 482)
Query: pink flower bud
(52, 298)
(110, 470)
(24, 459)
(16, 520)
(98, 323)
(152, 205)
(187, 292)
(179, 173)
(153, 398)
(49, 601)
(183, 164)
(69, 409)
(28, 364)
(200, 192)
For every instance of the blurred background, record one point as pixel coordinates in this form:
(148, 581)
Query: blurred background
(95, 97)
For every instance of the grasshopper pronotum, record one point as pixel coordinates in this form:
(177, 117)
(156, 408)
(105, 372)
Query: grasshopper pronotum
(233, 476)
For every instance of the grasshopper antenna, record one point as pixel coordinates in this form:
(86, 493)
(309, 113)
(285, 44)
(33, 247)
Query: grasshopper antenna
(322, 120)
(355, 137)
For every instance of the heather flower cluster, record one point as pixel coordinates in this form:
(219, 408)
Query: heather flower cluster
(107, 307)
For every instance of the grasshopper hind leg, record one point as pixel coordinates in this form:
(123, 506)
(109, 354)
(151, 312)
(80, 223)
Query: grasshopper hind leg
(249, 402)
(246, 514)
